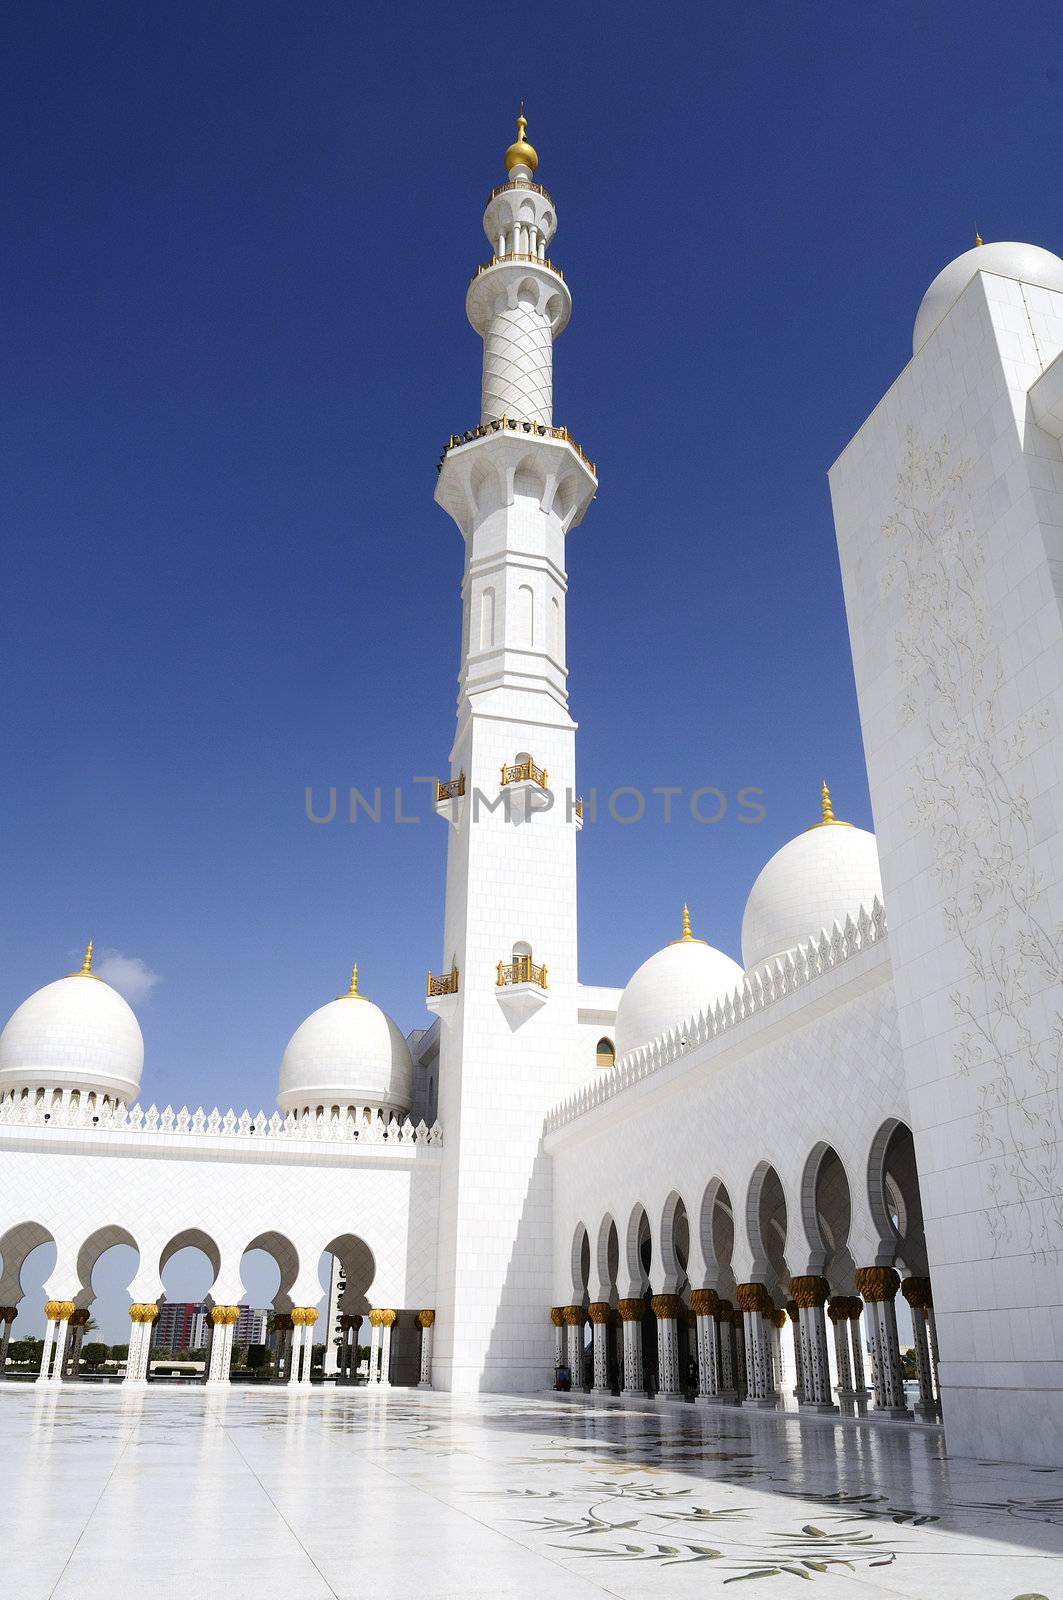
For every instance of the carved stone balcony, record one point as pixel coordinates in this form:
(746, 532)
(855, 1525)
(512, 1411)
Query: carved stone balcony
(520, 989)
(450, 798)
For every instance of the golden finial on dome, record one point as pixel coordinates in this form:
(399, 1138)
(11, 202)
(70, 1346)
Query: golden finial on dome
(687, 936)
(521, 154)
(978, 238)
(352, 992)
(85, 969)
(828, 809)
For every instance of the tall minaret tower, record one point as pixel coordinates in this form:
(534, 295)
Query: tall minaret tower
(515, 485)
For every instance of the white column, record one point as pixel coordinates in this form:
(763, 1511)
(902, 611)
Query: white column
(599, 1313)
(295, 1353)
(917, 1293)
(755, 1304)
(856, 1311)
(223, 1320)
(575, 1316)
(374, 1347)
(666, 1309)
(879, 1285)
(43, 1375)
(388, 1322)
(634, 1374)
(838, 1312)
(557, 1319)
(811, 1293)
(426, 1319)
(705, 1304)
(142, 1317)
(7, 1313)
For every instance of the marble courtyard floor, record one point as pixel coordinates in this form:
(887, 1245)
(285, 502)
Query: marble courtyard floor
(348, 1493)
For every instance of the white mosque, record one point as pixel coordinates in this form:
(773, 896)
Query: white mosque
(714, 1183)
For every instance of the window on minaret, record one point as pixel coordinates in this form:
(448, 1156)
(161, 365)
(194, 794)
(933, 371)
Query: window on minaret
(606, 1053)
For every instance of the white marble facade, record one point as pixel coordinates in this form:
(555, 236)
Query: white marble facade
(718, 1179)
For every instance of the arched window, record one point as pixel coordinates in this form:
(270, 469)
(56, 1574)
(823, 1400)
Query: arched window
(487, 619)
(524, 619)
(606, 1053)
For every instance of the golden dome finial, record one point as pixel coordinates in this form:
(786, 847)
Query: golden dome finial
(978, 238)
(85, 969)
(352, 992)
(687, 935)
(828, 809)
(521, 154)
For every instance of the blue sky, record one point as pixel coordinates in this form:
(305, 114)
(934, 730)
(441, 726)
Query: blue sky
(239, 239)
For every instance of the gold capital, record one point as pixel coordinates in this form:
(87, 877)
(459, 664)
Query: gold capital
(426, 1318)
(630, 1310)
(59, 1310)
(877, 1284)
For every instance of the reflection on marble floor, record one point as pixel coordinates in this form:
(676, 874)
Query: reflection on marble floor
(347, 1493)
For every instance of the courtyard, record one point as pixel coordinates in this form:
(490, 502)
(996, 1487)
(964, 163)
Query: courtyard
(349, 1493)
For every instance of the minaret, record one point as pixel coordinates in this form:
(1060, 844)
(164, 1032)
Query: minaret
(515, 485)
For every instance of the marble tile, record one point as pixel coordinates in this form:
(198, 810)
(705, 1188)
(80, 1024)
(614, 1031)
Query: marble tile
(341, 1494)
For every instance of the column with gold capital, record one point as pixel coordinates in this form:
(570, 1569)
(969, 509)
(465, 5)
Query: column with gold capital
(224, 1320)
(705, 1303)
(142, 1317)
(755, 1304)
(57, 1314)
(426, 1323)
(575, 1317)
(7, 1317)
(634, 1371)
(811, 1294)
(303, 1320)
(599, 1312)
(375, 1327)
(879, 1286)
(557, 1322)
(387, 1322)
(917, 1293)
(666, 1310)
(856, 1313)
(838, 1312)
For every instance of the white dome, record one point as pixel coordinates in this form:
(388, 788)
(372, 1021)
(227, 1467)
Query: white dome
(677, 983)
(76, 1033)
(346, 1053)
(815, 881)
(1027, 262)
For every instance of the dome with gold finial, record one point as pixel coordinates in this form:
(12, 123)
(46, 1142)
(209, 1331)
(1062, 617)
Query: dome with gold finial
(74, 1035)
(1027, 263)
(816, 880)
(347, 1053)
(521, 153)
(686, 977)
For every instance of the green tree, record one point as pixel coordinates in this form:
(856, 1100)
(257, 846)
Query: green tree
(258, 1357)
(94, 1355)
(25, 1352)
(239, 1356)
(317, 1357)
(908, 1366)
(119, 1352)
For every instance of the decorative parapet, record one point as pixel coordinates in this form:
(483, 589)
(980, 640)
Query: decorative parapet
(524, 772)
(450, 791)
(446, 983)
(760, 989)
(517, 425)
(218, 1124)
(535, 261)
(521, 969)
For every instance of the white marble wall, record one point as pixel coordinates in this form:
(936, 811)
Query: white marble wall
(949, 512)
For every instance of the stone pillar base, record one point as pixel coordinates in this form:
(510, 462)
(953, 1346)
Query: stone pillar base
(893, 1413)
(928, 1410)
(818, 1406)
(726, 1397)
(768, 1402)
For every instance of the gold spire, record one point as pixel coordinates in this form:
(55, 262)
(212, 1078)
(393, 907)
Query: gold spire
(85, 969)
(352, 992)
(978, 238)
(521, 154)
(828, 819)
(687, 936)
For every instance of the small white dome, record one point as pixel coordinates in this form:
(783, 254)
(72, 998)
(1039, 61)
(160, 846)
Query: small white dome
(346, 1053)
(814, 881)
(76, 1033)
(677, 983)
(1026, 262)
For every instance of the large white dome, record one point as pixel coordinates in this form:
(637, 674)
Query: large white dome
(75, 1033)
(814, 881)
(1027, 262)
(347, 1053)
(677, 983)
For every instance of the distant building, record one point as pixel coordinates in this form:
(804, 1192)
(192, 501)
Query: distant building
(185, 1325)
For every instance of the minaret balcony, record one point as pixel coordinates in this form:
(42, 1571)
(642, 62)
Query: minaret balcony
(450, 799)
(577, 814)
(519, 255)
(442, 993)
(520, 989)
(516, 425)
(524, 772)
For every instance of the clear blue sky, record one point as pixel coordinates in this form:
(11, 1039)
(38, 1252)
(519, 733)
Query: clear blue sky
(239, 238)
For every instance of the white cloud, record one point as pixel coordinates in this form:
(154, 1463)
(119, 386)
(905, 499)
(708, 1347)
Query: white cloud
(131, 976)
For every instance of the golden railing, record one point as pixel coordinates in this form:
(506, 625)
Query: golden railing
(524, 772)
(516, 425)
(521, 969)
(452, 790)
(519, 183)
(521, 255)
(578, 808)
(447, 983)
